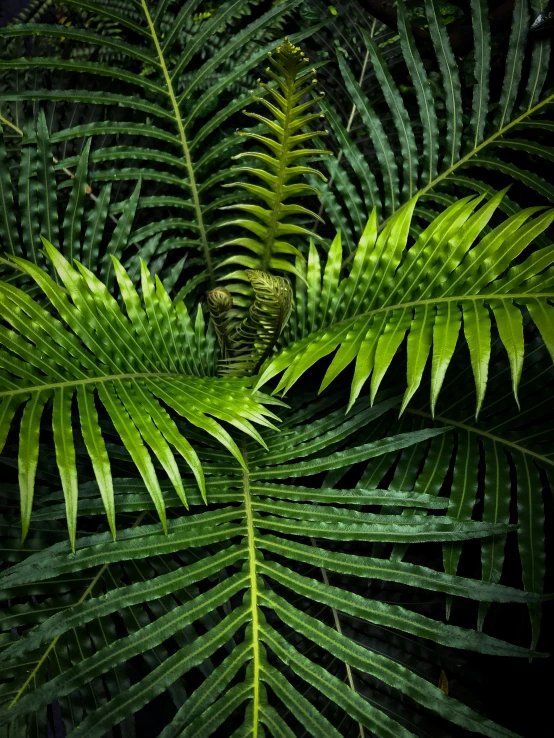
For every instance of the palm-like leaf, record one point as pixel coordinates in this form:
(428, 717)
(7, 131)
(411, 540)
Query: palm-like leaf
(456, 149)
(271, 566)
(451, 273)
(132, 361)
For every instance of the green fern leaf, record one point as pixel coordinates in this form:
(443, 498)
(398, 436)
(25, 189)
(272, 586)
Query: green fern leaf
(447, 271)
(268, 577)
(253, 339)
(159, 98)
(153, 354)
(461, 145)
(286, 146)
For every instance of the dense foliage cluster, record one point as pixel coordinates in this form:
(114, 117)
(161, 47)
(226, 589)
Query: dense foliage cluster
(276, 347)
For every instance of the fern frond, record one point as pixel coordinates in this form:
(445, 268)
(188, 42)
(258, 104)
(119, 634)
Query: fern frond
(129, 361)
(270, 563)
(279, 169)
(423, 292)
(219, 302)
(257, 607)
(510, 447)
(432, 165)
(253, 339)
(148, 64)
(38, 206)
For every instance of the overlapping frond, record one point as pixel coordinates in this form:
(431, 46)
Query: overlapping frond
(36, 212)
(244, 591)
(253, 339)
(133, 362)
(452, 275)
(344, 19)
(457, 147)
(504, 460)
(220, 303)
(153, 112)
(282, 593)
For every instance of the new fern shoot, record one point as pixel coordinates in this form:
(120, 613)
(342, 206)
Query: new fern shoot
(258, 303)
(279, 171)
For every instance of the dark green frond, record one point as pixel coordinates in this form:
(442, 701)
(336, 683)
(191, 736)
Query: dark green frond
(148, 60)
(324, 579)
(239, 603)
(466, 139)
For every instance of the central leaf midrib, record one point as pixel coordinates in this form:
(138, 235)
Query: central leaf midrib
(276, 210)
(90, 380)
(184, 144)
(487, 142)
(485, 434)
(430, 301)
(251, 539)
(465, 159)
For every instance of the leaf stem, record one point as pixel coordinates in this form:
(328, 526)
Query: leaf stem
(6, 122)
(434, 301)
(251, 538)
(484, 144)
(485, 434)
(338, 628)
(88, 380)
(184, 145)
(276, 210)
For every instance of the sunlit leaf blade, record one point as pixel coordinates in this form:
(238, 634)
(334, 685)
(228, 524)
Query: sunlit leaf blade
(89, 354)
(454, 275)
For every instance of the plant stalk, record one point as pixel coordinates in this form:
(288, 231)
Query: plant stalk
(184, 145)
